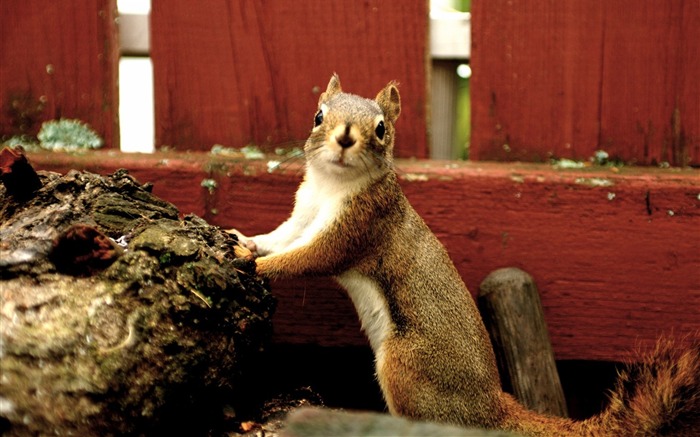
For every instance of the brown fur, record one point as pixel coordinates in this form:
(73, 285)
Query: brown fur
(436, 363)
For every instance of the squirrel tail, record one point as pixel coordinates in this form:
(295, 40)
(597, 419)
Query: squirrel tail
(659, 396)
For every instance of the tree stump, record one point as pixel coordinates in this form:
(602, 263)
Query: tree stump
(511, 308)
(116, 315)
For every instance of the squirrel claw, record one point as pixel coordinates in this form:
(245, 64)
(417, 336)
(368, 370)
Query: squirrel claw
(262, 267)
(243, 252)
(244, 242)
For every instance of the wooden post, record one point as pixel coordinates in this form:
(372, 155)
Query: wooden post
(511, 308)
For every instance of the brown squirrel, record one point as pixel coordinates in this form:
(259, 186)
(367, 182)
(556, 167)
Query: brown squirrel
(434, 360)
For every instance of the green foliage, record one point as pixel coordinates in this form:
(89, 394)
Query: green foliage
(27, 143)
(68, 135)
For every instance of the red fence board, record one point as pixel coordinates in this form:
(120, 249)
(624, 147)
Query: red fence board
(615, 255)
(564, 79)
(59, 60)
(242, 72)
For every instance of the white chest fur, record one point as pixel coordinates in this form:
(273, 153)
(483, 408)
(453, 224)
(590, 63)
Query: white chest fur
(317, 206)
(326, 195)
(371, 306)
(319, 201)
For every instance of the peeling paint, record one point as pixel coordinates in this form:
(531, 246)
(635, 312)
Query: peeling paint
(594, 182)
(415, 177)
(209, 184)
(273, 165)
(567, 163)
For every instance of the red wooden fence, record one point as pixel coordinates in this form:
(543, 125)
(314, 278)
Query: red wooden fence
(58, 59)
(615, 255)
(567, 78)
(553, 79)
(242, 72)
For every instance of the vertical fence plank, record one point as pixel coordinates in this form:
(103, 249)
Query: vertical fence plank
(650, 110)
(59, 60)
(244, 72)
(564, 79)
(686, 115)
(532, 80)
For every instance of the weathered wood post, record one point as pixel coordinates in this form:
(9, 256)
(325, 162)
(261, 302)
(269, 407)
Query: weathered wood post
(512, 311)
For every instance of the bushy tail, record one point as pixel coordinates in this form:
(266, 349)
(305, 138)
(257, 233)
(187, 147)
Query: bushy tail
(659, 396)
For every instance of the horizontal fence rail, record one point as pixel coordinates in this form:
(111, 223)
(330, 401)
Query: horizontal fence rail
(614, 255)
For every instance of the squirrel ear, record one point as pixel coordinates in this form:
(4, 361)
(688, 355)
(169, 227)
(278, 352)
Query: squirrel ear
(332, 89)
(389, 101)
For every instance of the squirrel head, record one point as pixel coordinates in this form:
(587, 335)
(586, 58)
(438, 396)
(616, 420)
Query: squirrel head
(353, 136)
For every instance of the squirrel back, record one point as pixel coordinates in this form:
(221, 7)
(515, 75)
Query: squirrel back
(433, 356)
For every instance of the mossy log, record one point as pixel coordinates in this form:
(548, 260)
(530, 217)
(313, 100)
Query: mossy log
(116, 315)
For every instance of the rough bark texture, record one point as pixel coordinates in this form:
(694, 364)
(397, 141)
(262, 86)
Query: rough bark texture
(116, 315)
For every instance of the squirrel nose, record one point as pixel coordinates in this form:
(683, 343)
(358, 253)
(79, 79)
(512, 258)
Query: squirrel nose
(345, 140)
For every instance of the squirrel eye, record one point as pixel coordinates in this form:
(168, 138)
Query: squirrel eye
(380, 130)
(318, 119)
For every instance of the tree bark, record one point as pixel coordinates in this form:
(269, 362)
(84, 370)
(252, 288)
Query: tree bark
(116, 315)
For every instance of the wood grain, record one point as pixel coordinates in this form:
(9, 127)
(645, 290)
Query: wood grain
(236, 73)
(512, 311)
(615, 255)
(564, 79)
(59, 60)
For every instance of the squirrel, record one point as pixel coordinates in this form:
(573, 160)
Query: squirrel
(433, 357)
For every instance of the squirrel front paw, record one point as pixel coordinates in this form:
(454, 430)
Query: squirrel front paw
(271, 267)
(244, 241)
(263, 266)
